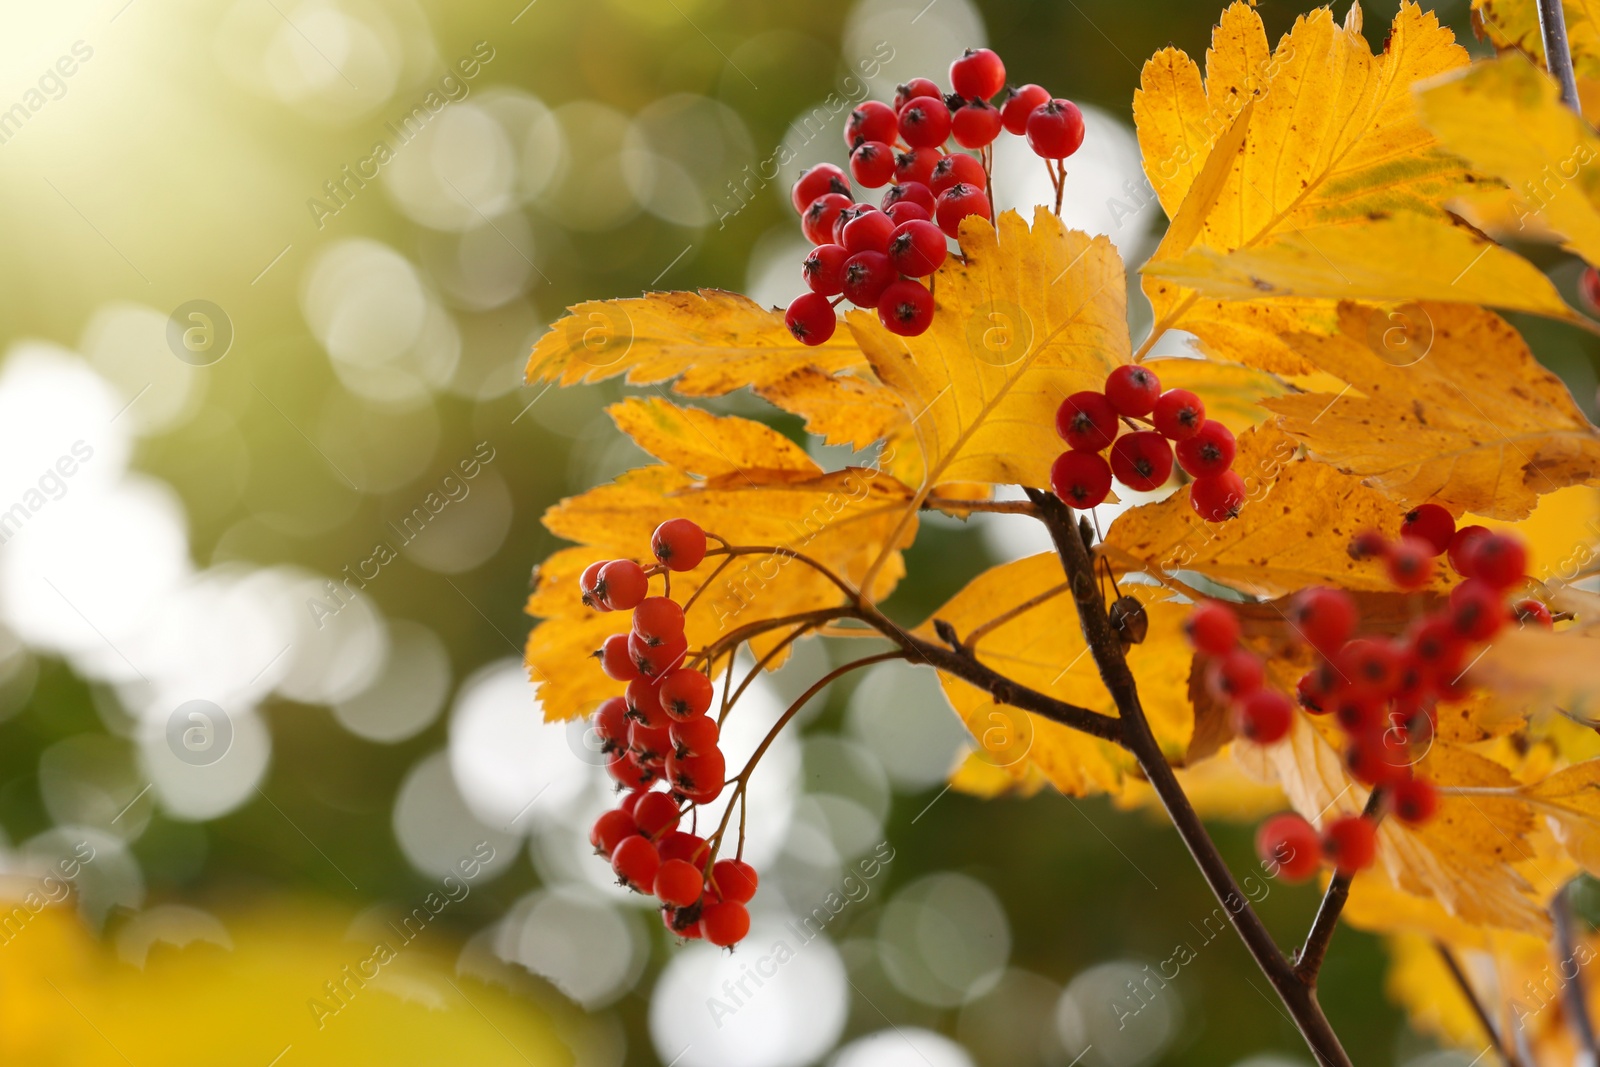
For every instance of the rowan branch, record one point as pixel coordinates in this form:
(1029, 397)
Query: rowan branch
(992, 507)
(1557, 53)
(1573, 993)
(1478, 1010)
(1308, 961)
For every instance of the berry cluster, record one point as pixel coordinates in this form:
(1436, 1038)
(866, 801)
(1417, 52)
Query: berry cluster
(874, 257)
(1142, 459)
(660, 731)
(1382, 691)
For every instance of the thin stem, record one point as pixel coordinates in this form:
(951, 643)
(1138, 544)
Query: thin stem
(1308, 961)
(1478, 1010)
(734, 638)
(772, 653)
(993, 507)
(1557, 53)
(687, 604)
(1299, 998)
(780, 550)
(1573, 993)
(980, 632)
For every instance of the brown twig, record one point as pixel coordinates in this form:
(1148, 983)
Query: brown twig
(1557, 53)
(993, 507)
(1478, 1010)
(1308, 961)
(1573, 992)
(979, 632)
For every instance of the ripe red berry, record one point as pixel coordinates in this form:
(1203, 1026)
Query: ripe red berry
(693, 737)
(636, 862)
(906, 307)
(686, 693)
(1371, 761)
(1589, 289)
(1409, 562)
(643, 701)
(1019, 105)
(658, 619)
(1357, 715)
(866, 276)
(818, 219)
(818, 181)
(1179, 414)
(1218, 497)
(1433, 524)
(679, 543)
(611, 724)
(975, 125)
(1264, 716)
(1323, 618)
(905, 211)
(1142, 460)
(1236, 674)
(956, 203)
(736, 880)
(611, 829)
(1212, 628)
(627, 771)
(650, 745)
(678, 883)
(904, 94)
(845, 217)
(678, 845)
(823, 269)
(868, 232)
(654, 661)
(872, 164)
(1477, 610)
(592, 594)
(1461, 546)
(1290, 843)
(872, 120)
(1314, 691)
(1081, 479)
(697, 774)
(916, 165)
(1133, 390)
(616, 660)
(916, 192)
(958, 167)
(629, 802)
(1434, 646)
(925, 122)
(1350, 844)
(1499, 559)
(978, 74)
(623, 584)
(1055, 129)
(1368, 544)
(1415, 800)
(724, 924)
(917, 248)
(1087, 422)
(1532, 612)
(1208, 452)
(810, 318)
(656, 814)
(1368, 667)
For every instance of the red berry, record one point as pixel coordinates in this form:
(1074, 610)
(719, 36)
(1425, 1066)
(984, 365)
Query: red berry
(872, 120)
(650, 745)
(1527, 612)
(1461, 546)
(1087, 422)
(975, 125)
(616, 660)
(1434, 646)
(1500, 559)
(643, 701)
(1081, 479)
(1370, 760)
(1212, 628)
(872, 164)
(978, 74)
(810, 318)
(1055, 129)
(679, 543)
(866, 276)
(677, 845)
(905, 211)
(1368, 544)
(925, 122)
(693, 737)
(868, 232)
(818, 181)
(1350, 844)
(611, 724)
(1292, 844)
(1236, 674)
(1019, 105)
(656, 814)
(686, 693)
(1323, 618)
(1589, 289)
(956, 203)
(636, 862)
(1314, 691)
(1368, 667)
(1433, 524)
(630, 801)
(627, 771)
(611, 829)
(623, 584)
(1218, 497)
(1410, 562)
(1415, 800)
(678, 883)
(1142, 460)
(1133, 390)
(1357, 715)
(698, 774)
(847, 216)
(917, 248)
(1179, 414)
(914, 88)
(592, 594)
(958, 167)
(1208, 452)
(1264, 716)
(724, 924)
(658, 619)
(914, 192)
(653, 661)
(916, 166)
(824, 270)
(906, 307)
(736, 880)
(1477, 610)
(816, 222)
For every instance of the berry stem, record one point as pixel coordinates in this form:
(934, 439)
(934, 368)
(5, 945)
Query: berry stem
(1573, 992)
(687, 604)
(772, 653)
(992, 507)
(1308, 961)
(1298, 998)
(1478, 1010)
(781, 550)
(730, 641)
(988, 179)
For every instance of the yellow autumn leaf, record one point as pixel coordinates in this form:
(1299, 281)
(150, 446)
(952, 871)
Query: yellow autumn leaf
(1514, 25)
(1233, 393)
(1562, 534)
(698, 442)
(1542, 669)
(1419, 980)
(1571, 800)
(1467, 418)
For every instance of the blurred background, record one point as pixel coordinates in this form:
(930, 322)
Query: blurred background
(273, 785)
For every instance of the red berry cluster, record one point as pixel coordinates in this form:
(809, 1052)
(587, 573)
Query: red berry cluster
(659, 731)
(1382, 691)
(1142, 459)
(875, 256)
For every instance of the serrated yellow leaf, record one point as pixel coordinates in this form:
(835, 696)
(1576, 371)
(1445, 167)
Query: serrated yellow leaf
(698, 442)
(1465, 416)
(1256, 333)
(1571, 799)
